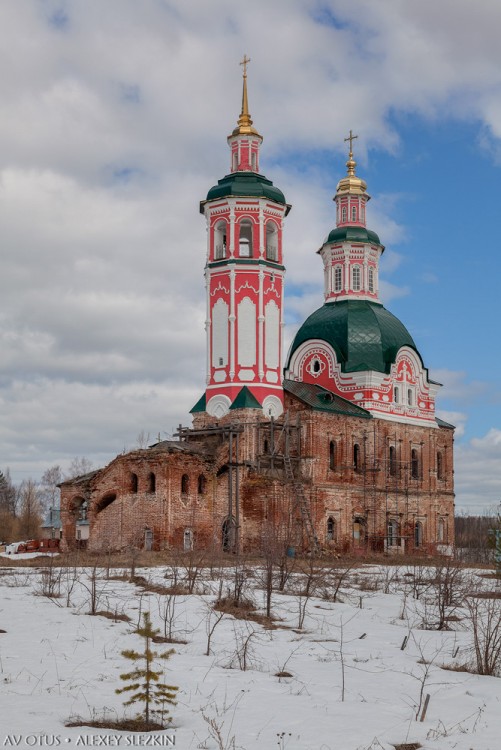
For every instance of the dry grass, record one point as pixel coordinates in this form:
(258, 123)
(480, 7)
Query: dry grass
(126, 725)
(115, 616)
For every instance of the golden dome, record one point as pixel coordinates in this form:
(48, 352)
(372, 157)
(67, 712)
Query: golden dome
(351, 183)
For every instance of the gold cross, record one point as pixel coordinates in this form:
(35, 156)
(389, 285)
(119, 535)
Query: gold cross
(245, 62)
(351, 138)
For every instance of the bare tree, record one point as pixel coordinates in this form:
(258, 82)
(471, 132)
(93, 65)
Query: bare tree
(30, 511)
(48, 489)
(78, 467)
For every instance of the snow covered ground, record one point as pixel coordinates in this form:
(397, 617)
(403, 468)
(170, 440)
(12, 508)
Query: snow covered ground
(351, 686)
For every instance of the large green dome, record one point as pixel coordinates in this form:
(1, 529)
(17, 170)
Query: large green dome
(246, 184)
(364, 335)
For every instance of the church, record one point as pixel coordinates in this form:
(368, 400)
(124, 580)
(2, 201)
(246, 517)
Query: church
(332, 447)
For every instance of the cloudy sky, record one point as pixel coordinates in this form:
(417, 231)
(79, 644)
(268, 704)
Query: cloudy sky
(113, 125)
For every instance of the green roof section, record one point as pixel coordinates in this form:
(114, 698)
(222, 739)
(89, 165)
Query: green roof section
(246, 185)
(245, 400)
(446, 425)
(320, 399)
(353, 234)
(200, 405)
(364, 335)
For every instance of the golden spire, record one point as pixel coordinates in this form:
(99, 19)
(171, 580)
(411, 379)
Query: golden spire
(244, 126)
(351, 183)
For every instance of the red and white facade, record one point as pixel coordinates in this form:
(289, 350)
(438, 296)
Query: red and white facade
(351, 272)
(245, 285)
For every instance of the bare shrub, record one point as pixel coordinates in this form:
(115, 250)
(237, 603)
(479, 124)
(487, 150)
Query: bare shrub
(484, 619)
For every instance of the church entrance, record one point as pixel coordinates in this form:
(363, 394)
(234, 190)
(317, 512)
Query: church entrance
(359, 533)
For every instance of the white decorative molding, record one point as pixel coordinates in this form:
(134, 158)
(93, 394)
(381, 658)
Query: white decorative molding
(272, 377)
(272, 335)
(218, 406)
(220, 376)
(246, 332)
(272, 407)
(220, 334)
(246, 375)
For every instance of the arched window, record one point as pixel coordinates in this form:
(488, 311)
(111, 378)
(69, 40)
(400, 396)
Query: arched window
(133, 483)
(344, 214)
(356, 457)
(353, 213)
(418, 534)
(440, 465)
(331, 530)
(245, 239)
(254, 161)
(185, 484)
(393, 461)
(371, 280)
(332, 455)
(396, 394)
(392, 532)
(235, 161)
(362, 212)
(414, 464)
(356, 278)
(271, 241)
(202, 484)
(152, 483)
(410, 397)
(220, 241)
(266, 447)
(338, 278)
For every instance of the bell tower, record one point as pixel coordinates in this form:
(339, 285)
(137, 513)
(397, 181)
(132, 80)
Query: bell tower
(244, 277)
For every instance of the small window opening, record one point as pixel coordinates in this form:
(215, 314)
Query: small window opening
(316, 365)
(220, 241)
(344, 214)
(414, 464)
(245, 239)
(202, 484)
(356, 278)
(418, 534)
(393, 461)
(410, 397)
(353, 213)
(338, 279)
(152, 483)
(331, 529)
(133, 483)
(271, 241)
(332, 455)
(371, 280)
(185, 484)
(266, 447)
(440, 466)
(356, 457)
(396, 394)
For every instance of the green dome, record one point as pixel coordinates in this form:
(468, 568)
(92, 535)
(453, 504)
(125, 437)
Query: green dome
(364, 335)
(352, 234)
(246, 184)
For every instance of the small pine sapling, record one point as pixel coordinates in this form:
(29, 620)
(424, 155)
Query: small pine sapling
(144, 680)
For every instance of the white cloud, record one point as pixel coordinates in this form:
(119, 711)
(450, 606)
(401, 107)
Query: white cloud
(478, 472)
(113, 118)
